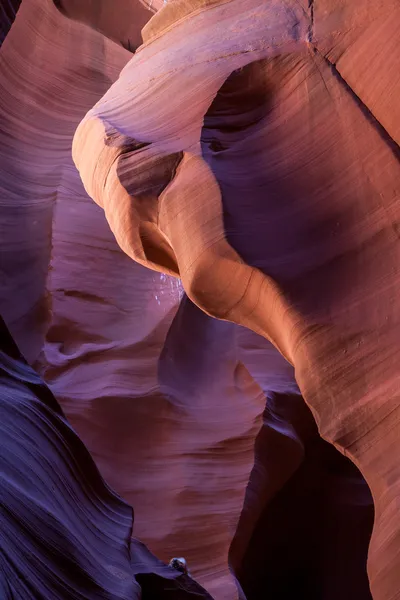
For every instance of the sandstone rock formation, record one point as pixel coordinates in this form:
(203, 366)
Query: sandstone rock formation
(64, 533)
(246, 156)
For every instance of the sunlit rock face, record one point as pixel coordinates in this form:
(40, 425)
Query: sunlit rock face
(220, 326)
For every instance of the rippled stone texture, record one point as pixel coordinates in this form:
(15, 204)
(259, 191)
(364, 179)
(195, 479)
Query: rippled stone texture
(281, 218)
(64, 532)
(249, 149)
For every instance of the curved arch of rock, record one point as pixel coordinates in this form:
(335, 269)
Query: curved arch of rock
(275, 200)
(259, 163)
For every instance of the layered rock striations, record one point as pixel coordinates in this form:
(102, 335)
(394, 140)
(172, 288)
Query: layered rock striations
(246, 158)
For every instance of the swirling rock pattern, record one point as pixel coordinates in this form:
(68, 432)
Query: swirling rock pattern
(254, 128)
(250, 149)
(64, 532)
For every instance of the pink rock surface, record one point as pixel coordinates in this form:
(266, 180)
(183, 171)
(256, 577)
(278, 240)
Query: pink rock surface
(246, 157)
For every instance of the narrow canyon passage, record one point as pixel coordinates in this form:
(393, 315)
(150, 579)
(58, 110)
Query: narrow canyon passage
(199, 255)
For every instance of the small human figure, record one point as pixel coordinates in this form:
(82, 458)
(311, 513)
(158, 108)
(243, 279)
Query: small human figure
(179, 564)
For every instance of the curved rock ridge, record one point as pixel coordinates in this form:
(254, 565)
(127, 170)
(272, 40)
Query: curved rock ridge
(52, 71)
(250, 150)
(109, 317)
(122, 142)
(235, 152)
(64, 532)
(312, 506)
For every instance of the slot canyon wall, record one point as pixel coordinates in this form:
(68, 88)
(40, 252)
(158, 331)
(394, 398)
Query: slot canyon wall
(199, 256)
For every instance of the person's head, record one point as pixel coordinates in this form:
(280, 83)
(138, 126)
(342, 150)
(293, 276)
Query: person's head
(179, 564)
